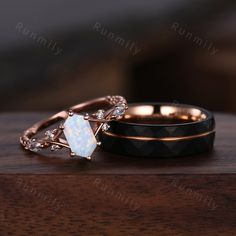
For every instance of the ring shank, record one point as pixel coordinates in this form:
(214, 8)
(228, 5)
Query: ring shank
(105, 102)
(158, 114)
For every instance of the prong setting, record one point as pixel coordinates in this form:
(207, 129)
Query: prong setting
(61, 126)
(70, 113)
(72, 154)
(86, 116)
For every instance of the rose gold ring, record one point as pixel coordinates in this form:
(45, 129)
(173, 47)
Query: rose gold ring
(77, 130)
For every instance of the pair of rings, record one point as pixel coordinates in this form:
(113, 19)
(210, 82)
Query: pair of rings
(154, 130)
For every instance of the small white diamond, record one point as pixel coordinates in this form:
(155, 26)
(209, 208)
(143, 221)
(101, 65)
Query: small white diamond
(55, 147)
(50, 133)
(119, 110)
(100, 114)
(105, 127)
(33, 145)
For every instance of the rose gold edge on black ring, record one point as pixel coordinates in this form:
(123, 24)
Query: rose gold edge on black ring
(161, 130)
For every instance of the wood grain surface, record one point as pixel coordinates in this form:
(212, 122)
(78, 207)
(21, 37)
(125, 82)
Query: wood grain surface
(116, 195)
(117, 205)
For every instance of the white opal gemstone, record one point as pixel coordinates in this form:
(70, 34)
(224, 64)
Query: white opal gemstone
(79, 135)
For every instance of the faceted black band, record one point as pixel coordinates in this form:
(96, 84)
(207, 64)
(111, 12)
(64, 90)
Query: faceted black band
(155, 148)
(188, 137)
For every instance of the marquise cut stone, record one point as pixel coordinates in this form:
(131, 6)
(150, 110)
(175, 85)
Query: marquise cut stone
(79, 136)
(119, 110)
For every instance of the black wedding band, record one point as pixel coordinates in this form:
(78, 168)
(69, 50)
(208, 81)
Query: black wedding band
(161, 130)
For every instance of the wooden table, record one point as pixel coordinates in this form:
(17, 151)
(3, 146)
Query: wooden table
(116, 195)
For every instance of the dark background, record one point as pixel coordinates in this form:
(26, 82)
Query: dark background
(173, 64)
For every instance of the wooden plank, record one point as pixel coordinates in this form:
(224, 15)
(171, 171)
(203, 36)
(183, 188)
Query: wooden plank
(117, 205)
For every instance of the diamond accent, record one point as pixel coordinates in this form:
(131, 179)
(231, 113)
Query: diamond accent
(50, 134)
(55, 147)
(100, 114)
(105, 127)
(33, 145)
(119, 110)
